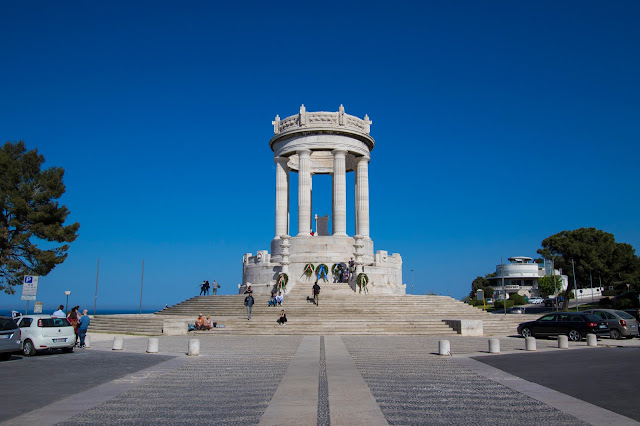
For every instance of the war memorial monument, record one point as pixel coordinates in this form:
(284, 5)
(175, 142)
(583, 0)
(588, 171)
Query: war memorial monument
(317, 143)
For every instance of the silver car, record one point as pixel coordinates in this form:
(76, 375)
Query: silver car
(10, 342)
(620, 323)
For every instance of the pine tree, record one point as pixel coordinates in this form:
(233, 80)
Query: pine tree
(31, 219)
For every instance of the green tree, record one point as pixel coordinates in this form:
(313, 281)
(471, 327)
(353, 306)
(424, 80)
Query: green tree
(593, 251)
(31, 219)
(481, 283)
(549, 285)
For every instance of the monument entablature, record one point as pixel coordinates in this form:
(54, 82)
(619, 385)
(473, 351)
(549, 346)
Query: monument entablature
(311, 143)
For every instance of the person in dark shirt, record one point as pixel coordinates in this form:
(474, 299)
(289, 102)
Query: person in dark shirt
(316, 293)
(248, 302)
(283, 318)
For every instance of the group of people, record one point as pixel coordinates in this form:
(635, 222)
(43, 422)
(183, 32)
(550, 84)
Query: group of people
(79, 321)
(276, 299)
(203, 323)
(344, 272)
(205, 286)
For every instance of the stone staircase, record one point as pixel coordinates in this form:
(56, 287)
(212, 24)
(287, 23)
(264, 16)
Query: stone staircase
(340, 311)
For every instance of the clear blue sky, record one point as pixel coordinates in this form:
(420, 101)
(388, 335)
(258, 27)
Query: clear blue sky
(497, 124)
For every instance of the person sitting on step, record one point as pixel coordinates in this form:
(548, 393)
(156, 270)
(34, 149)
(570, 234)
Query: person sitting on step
(283, 318)
(279, 298)
(200, 322)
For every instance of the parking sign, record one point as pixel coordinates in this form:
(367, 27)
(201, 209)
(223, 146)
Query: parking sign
(30, 287)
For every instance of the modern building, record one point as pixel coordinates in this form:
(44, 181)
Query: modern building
(521, 276)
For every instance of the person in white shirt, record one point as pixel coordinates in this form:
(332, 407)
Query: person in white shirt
(279, 298)
(59, 313)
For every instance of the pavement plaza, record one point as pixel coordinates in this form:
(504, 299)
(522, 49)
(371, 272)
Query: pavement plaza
(317, 380)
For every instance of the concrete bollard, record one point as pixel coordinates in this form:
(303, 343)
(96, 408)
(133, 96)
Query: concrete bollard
(194, 347)
(592, 340)
(444, 347)
(87, 341)
(563, 342)
(494, 346)
(152, 345)
(118, 343)
(530, 343)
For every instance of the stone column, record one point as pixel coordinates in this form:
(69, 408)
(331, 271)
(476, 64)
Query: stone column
(304, 192)
(339, 218)
(282, 196)
(362, 197)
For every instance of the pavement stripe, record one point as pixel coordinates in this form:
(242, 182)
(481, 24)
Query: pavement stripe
(582, 410)
(323, 389)
(67, 408)
(350, 399)
(295, 402)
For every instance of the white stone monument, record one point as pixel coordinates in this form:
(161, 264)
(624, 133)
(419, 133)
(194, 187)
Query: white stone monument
(313, 143)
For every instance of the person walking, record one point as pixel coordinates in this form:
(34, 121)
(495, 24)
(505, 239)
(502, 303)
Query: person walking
(83, 326)
(203, 288)
(316, 293)
(248, 302)
(214, 287)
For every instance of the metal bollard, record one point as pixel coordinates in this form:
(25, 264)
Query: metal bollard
(87, 341)
(194, 347)
(152, 345)
(530, 343)
(563, 342)
(592, 340)
(118, 343)
(494, 346)
(444, 347)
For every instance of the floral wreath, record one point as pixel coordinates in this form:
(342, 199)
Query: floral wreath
(308, 270)
(322, 271)
(362, 280)
(283, 280)
(334, 269)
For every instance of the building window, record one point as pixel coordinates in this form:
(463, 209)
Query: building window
(528, 282)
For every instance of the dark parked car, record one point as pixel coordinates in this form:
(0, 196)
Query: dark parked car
(621, 324)
(576, 325)
(9, 338)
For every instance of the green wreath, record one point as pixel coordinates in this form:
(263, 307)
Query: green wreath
(362, 280)
(322, 271)
(334, 269)
(283, 280)
(308, 270)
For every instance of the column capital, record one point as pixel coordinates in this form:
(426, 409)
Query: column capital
(303, 152)
(363, 159)
(281, 160)
(339, 152)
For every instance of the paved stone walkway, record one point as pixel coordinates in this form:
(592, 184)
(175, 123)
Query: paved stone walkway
(320, 380)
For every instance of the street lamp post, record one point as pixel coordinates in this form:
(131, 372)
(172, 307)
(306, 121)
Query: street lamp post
(67, 293)
(412, 282)
(575, 285)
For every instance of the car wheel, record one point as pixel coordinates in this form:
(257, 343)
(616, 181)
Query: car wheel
(575, 336)
(526, 332)
(28, 349)
(5, 356)
(67, 350)
(615, 334)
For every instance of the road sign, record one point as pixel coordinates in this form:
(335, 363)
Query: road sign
(37, 309)
(30, 287)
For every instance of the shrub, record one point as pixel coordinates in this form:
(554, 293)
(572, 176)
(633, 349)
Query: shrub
(624, 304)
(518, 299)
(500, 305)
(609, 293)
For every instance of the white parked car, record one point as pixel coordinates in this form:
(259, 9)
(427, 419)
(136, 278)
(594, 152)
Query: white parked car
(42, 332)
(536, 300)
